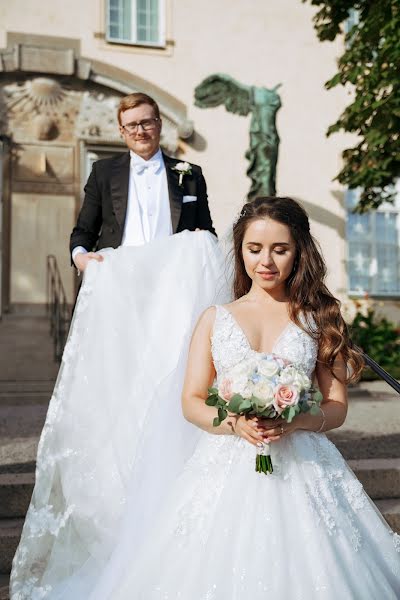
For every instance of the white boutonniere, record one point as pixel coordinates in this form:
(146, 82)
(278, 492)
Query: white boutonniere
(183, 168)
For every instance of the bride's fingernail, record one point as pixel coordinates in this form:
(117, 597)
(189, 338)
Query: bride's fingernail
(266, 440)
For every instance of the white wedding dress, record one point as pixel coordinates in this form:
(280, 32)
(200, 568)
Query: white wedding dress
(120, 380)
(225, 532)
(133, 503)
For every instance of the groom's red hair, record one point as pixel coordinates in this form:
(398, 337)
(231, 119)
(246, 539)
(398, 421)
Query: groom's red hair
(134, 100)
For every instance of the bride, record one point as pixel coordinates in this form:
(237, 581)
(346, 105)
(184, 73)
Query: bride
(222, 531)
(196, 522)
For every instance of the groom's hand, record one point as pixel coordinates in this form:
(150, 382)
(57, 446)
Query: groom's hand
(81, 259)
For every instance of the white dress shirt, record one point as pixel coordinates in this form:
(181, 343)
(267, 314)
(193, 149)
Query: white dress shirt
(148, 214)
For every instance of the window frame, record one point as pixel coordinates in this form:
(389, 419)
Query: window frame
(386, 208)
(162, 37)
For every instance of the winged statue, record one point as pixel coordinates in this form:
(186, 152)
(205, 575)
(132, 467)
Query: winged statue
(263, 104)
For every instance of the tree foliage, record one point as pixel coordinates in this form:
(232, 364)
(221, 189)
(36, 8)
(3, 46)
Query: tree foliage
(370, 65)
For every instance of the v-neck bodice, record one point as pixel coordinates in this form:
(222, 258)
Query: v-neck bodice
(230, 345)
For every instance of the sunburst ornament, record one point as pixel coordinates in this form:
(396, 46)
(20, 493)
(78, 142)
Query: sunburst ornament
(44, 92)
(41, 94)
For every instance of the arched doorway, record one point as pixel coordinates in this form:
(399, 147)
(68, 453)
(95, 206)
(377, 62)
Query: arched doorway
(58, 114)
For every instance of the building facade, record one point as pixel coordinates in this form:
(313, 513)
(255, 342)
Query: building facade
(63, 68)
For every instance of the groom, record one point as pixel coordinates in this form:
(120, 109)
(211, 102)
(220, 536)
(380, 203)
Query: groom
(143, 194)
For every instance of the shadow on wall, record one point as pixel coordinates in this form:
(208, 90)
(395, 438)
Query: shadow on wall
(326, 217)
(195, 141)
(333, 221)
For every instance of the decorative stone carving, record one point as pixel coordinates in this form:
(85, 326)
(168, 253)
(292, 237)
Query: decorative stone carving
(44, 128)
(44, 92)
(61, 56)
(39, 109)
(186, 129)
(263, 105)
(9, 59)
(97, 118)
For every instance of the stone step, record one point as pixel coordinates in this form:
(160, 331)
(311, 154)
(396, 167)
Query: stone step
(23, 393)
(15, 494)
(390, 509)
(25, 399)
(26, 385)
(4, 582)
(379, 476)
(10, 533)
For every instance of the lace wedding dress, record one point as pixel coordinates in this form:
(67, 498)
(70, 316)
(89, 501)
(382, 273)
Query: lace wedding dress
(120, 379)
(225, 532)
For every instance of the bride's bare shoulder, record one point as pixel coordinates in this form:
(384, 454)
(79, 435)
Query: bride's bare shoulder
(235, 303)
(207, 318)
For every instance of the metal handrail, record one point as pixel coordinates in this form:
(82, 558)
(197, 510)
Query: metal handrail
(380, 371)
(58, 309)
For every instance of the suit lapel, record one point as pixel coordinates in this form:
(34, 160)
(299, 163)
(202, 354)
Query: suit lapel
(120, 170)
(175, 191)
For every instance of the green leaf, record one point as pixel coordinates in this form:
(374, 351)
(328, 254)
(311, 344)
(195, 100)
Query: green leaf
(216, 422)
(222, 414)
(315, 410)
(245, 406)
(212, 400)
(234, 403)
(292, 411)
(368, 69)
(317, 396)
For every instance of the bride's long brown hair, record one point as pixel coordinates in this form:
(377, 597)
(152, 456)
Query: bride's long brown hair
(307, 292)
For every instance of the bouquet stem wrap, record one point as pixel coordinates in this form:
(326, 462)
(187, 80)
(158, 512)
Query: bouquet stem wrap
(263, 459)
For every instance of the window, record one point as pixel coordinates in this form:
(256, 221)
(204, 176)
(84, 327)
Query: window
(352, 19)
(374, 249)
(136, 22)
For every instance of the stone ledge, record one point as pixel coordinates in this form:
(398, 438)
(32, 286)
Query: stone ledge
(390, 510)
(379, 476)
(15, 494)
(10, 533)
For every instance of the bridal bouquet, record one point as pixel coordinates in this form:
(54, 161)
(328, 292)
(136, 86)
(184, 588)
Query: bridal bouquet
(268, 387)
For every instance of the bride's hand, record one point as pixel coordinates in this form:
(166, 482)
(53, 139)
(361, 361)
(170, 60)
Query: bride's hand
(273, 429)
(247, 429)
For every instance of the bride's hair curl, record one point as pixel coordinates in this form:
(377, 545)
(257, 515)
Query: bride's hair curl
(307, 292)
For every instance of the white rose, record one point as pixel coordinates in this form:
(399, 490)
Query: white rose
(302, 381)
(268, 367)
(242, 386)
(182, 166)
(243, 369)
(264, 393)
(288, 375)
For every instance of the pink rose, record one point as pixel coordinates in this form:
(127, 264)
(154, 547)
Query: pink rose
(225, 389)
(285, 395)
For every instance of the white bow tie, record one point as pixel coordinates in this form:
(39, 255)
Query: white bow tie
(152, 165)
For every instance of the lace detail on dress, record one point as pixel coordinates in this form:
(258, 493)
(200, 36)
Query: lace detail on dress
(230, 346)
(193, 517)
(228, 343)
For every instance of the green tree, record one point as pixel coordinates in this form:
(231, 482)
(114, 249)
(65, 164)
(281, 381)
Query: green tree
(370, 64)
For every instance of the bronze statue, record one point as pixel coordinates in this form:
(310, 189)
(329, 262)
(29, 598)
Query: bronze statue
(264, 139)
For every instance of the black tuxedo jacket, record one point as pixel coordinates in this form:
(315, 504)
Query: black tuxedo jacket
(101, 220)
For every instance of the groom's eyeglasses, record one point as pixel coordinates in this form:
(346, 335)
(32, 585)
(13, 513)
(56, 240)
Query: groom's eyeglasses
(146, 125)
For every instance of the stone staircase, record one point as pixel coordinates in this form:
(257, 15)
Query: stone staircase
(370, 439)
(27, 375)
